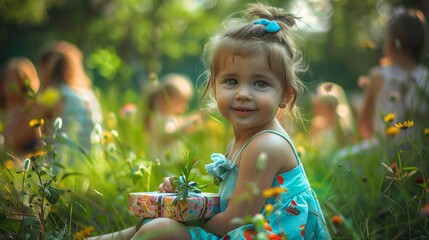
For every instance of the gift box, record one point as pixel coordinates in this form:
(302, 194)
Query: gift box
(157, 204)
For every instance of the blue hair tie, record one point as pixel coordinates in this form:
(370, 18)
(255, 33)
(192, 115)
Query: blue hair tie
(270, 26)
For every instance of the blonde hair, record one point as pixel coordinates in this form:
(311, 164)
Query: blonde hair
(241, 37)
(63, 62)
(171, 85)
(334, 96)
(23, 69)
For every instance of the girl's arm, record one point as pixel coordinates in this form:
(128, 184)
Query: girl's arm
(247, 199)
(366, 120)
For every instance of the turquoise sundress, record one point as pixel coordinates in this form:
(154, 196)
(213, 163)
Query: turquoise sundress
(297, 212)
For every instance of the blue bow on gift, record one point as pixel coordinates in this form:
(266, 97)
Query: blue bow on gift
(271, 26)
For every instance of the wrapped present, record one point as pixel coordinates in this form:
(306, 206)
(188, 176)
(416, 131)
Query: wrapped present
(157, 204)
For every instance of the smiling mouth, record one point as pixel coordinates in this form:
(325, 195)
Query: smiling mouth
(243, 110)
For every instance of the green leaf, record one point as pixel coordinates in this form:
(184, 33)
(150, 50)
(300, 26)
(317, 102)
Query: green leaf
(66, 175)
(52, 195)
(411, 168)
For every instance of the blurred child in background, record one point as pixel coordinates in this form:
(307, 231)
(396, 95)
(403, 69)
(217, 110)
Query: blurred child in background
(61, 71)
(165, 116)
(333, 123)
(400, 84)
(18, 84)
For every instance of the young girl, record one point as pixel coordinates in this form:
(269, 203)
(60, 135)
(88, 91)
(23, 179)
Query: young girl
(400, 84)
(61, 70)
(165, 115)
(252, 75)
(333, 124)
(18, 75)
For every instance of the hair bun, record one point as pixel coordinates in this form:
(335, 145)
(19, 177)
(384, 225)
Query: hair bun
(271, 13)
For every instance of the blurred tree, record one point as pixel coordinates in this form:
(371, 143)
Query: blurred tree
(123, 40)
(24, 11)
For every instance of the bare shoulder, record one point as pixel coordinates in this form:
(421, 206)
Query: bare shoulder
(277, 149)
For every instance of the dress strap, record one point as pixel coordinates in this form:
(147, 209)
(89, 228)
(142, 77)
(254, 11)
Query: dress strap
(286, 137)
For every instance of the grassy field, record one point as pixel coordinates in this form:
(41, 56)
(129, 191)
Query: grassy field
(376, 192)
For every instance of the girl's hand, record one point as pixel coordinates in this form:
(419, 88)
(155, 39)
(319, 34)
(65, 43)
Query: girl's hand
(167, 185)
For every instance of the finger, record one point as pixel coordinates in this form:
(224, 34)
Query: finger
(168, 184)
(161, 187)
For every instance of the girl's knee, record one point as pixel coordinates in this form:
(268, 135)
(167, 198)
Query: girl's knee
(162, 228)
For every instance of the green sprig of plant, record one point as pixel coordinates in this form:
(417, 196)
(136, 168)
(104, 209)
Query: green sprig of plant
(185, 184)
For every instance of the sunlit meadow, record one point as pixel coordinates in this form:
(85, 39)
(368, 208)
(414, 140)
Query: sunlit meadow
(378, 191)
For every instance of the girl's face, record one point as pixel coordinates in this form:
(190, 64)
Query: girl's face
(248, 93)
(14, 92)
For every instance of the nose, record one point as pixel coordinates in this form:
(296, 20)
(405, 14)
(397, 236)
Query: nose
(243, 93)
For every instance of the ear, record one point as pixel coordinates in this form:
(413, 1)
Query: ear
(288, 95)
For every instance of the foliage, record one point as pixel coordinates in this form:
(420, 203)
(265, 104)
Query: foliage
(378, 192)
(137, 36)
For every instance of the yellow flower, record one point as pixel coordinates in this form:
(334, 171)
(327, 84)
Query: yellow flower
(269, 208)
(367, 44)
(273, 192)
(9, 164)
(36, 154)
(392, 131)
(79, 236)
(426, 131)
(1, 126)
(88, 231)
(83, 234)
(389, 117)
(405, 124)
(49, 97)
(36, 122)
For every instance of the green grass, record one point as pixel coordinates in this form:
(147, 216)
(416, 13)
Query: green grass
(373, 199)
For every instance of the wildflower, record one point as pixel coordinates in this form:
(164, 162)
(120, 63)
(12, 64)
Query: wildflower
(84, 233)
(33, 156)
(367, 44)
(405, 124)
(37, 122)
(392, 131)
(27, 164)
(337, 220)
(58, 123)
(49, 97)
(128, 110)
(426, 131)
(79, 236)
(389, 117)
(273, 192)
(88, 230)
(267, 226)
(269, 208)
(425, 210)
(9, 164)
